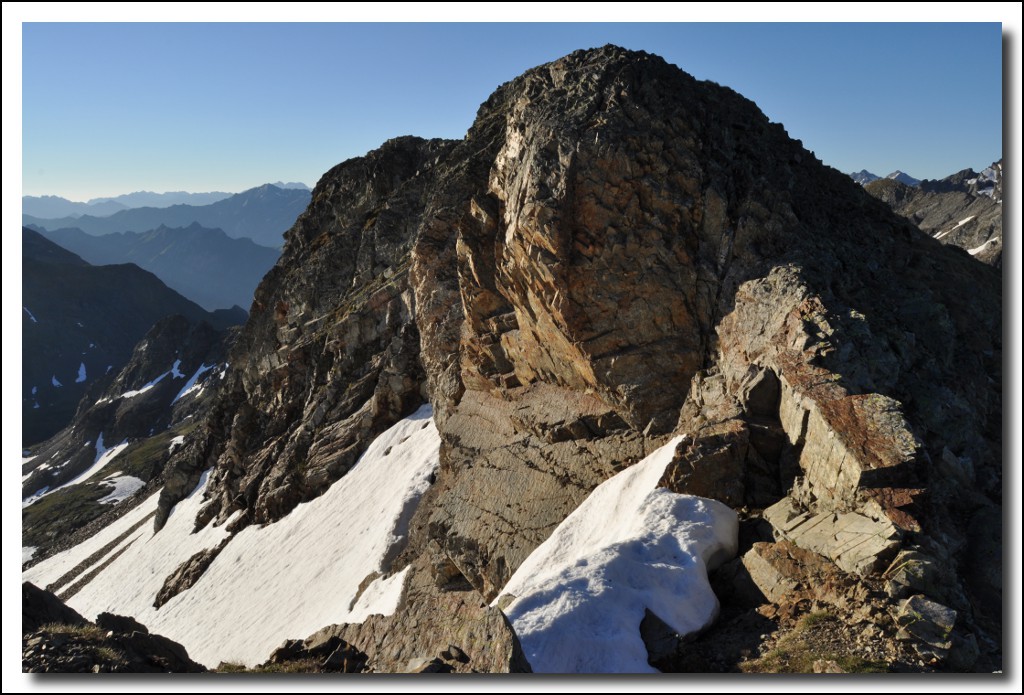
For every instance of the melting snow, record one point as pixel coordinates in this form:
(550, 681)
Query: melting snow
(27, 552)
(958, 225)
(81, 373)
(579, 598)
(123, 487)
(175, 373)
(35, 496)
(291, 577)
(176, 442)
(54, 382)
(978, 249)
(190, 385)
(103, 457)
(135, 392)
(33, 318)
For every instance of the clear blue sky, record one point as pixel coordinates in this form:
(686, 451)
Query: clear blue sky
(113, 108)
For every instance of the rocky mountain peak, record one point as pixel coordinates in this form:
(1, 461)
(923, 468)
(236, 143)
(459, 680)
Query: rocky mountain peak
(615, 253)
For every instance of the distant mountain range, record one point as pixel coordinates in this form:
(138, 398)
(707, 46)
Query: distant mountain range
(205, 265)
(262, 214)
(864, 177)
(53, 206)
(964, 209)
(80, 324)
(141, 199)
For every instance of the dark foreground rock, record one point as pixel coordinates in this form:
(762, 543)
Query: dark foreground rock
(58, 640)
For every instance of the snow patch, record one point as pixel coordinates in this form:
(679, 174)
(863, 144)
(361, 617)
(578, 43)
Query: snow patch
(578, 599)
(175, 443)
(54, 382)
(175, 373)
(190, 385)
(123, 487)
(81, 373)
(135, 392)
(35, 496)
(31, 317)
(958, 225)
(54, 567)
(291, 577)
(27, 552)
(978, 249)
(34, 390)
(103, 457)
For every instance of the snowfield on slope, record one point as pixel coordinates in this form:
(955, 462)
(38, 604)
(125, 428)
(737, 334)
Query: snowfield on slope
(578, 599)
(284, 580)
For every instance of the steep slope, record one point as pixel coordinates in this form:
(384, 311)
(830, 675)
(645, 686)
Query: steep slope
(122, 433)
(617, 255)
(205, 265)
(964, 209)
(261, 214)
(79, 326)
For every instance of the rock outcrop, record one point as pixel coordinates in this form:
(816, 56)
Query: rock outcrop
(615, 252)
(59, 640)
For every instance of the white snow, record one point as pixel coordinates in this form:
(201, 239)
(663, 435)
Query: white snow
(33, 318)
(54, 567)
(103, 457)
(122, 487)
(35, 496)
(190, 385)
(958, 225)
(34, 390)
(580, 596)
(81, 373)
(27, 552)
(135, 392)
(175, 373)
(175, 442)
(291, 577)
(978, 249)
(27, 459)
(54, 382)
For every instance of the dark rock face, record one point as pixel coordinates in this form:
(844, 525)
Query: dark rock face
(328, 358)
(615, 252)
(965, 209)
(58, 640)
